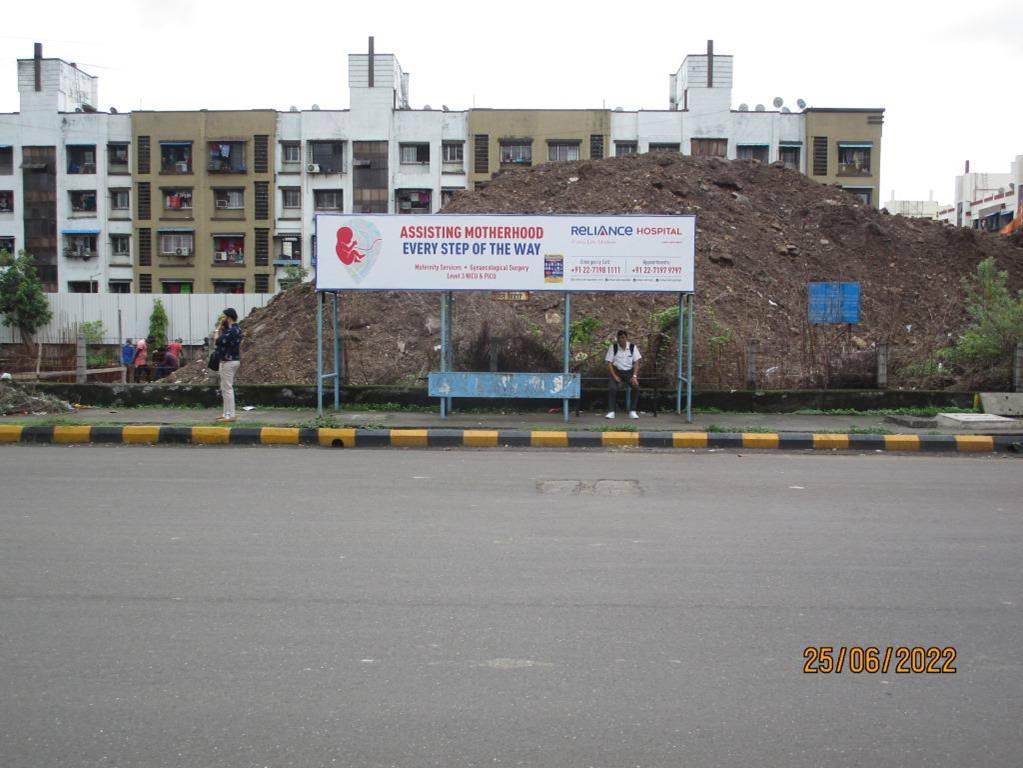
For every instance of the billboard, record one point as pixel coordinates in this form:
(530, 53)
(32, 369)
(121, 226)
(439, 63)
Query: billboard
(375, 252)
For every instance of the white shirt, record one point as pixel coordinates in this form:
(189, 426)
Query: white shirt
(625, 358)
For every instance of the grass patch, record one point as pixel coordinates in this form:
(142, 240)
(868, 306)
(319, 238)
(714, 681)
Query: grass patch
(612, 428)
(720, 428)
(924, 412)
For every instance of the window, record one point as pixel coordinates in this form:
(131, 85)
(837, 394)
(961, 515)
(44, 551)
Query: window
(863, 194)
(481, 153)
(81, 159)
(596, 146)
(229, 249)
(6, 201)
(454, 152)
(229, 286)
(6, 161)
(7, 244)
(289, 250)
(82, 286)
(413, 200)
(624, 148)
(177, 243)
(177, 199)
(328, 155)
(370, 178)
(562, 151)
(119, 286)
(663, 147)
(709, 147)
(145, 283)
(291, 197)
(820, 155)
(327, 199)
(120, 199)
(83, 201)
(80, 246)
(226, 157)
(175, 157)
(117, 157)
(230, 199)
(517, 152)
(414, 154)
(120, 245)
(789, 156)
(752, 152)
(291, 152)
(446, 196)
(172, 286)
(854, 159)
(262, 283)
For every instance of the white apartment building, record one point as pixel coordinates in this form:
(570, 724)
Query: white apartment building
(988, 201)
(378, 156)
(65, 182)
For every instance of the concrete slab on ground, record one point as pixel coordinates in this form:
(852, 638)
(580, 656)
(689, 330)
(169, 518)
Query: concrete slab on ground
(977, 422)
(1002, 403)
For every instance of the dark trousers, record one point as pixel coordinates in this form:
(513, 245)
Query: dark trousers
(631, 391)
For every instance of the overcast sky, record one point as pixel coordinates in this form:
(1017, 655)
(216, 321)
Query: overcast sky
(947, 73)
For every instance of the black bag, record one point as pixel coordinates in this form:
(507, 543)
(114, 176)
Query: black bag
(214, 361)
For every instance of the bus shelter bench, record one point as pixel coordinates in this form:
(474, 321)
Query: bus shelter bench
(551, 386)
(651, 388)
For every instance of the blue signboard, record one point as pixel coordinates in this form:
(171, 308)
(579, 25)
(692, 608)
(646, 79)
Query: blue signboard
(834, 303)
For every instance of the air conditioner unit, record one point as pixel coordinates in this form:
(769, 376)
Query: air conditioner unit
(221, 203)
(313, 168)
(182, 167)
(177, 252)
(221, 256)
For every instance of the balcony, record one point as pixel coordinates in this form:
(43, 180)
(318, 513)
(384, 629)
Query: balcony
(81, 159)
(175, 157)
(80, 244)
(226, 157)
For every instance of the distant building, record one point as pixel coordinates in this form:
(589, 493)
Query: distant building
(913, 209)
(988, 201)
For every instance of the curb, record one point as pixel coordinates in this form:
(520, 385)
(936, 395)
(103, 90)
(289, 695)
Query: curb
(485, 438)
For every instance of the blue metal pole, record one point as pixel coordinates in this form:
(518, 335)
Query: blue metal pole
(567, 346)
(689, 358)
(337, 356)
(319, 353)
(443, 347)
(681, 351)
(451, 345)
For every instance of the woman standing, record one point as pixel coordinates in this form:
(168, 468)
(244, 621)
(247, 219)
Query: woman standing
(228, 342)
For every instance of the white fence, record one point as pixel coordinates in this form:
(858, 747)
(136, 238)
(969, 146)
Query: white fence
(190, 317)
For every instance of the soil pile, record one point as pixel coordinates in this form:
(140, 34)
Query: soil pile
(25, 400)
(764, 232)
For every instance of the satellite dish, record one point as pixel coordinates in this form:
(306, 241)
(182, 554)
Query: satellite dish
(777, 102)
(760, 108)
(113, 110)
(316, 107)
(744, 107)
(426, 107)
(293, 108)
(800, 103)
(785, 110)
(618, 109)
(444, 107)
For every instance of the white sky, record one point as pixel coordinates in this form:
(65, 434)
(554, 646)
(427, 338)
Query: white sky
(948, 73)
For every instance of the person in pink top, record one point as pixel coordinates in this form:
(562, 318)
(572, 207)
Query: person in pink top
(142, 360)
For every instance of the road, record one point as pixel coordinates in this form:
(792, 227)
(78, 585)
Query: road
(184, 606)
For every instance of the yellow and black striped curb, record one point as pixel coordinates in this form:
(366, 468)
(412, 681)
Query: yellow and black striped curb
(496, 438)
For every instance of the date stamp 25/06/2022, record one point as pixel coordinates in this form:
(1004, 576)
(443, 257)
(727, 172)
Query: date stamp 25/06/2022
(872, 659)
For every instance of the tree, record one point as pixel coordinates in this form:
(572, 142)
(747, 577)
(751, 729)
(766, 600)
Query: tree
(23, 302)
(294, 274)
(158, 325)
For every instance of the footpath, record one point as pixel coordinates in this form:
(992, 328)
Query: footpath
(394, 428)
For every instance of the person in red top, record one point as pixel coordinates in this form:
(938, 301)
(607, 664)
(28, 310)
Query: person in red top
(142, 360)
(174, 348)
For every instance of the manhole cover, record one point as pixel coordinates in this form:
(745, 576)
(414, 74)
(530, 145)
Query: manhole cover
(589, 487)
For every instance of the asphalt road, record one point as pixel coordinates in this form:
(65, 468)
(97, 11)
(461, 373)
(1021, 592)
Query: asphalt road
(166, 606)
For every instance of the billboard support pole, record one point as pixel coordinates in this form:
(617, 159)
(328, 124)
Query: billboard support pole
(567, 346)
(337, 355)
(450, 344)
(689, 358)
(443, 348)
(319, 353)
(681, 352)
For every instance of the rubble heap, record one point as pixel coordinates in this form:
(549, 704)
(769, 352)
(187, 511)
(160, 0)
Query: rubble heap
(763, 233)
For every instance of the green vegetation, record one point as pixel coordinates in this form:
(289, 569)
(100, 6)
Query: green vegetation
(996, 321)
(158, 325)
(723, 428)
(607, 428)
(582, 331)
(23, 303)
(925, 412)
(294, 274)
(93, 332)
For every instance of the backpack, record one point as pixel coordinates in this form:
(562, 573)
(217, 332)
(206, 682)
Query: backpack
(632, 348)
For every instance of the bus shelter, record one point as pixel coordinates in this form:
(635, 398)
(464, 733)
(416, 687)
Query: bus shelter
(453, 253)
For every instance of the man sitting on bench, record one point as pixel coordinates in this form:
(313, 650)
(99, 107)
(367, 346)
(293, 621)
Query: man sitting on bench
(623, 364)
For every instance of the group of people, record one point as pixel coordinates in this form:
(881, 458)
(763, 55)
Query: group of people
(135, 357)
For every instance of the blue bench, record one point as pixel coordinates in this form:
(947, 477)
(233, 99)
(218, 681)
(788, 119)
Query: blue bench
(556, 386)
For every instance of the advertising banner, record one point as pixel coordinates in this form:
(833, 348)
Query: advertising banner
(376, 252)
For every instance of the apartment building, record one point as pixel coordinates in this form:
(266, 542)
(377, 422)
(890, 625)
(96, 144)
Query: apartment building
(65, 181)
(204, 203)
(988, 201)
(378, 156)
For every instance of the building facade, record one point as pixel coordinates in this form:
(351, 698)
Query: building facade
(65, 180)
(217, 201)
(988, 201)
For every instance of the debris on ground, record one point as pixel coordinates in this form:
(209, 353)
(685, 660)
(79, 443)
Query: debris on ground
(763, 232)
(25, 400)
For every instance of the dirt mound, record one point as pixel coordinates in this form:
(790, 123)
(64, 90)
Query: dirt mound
(763, 233)
(24, 399)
